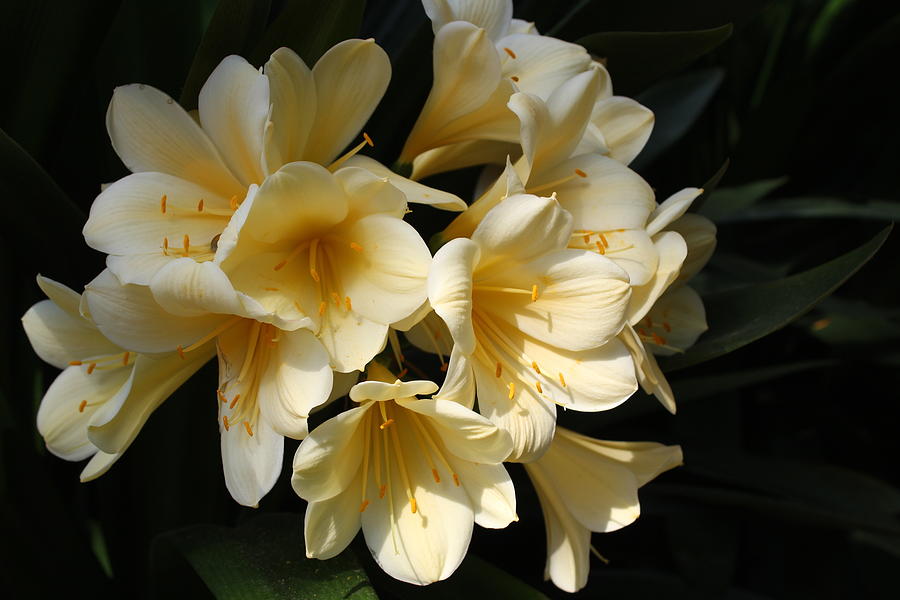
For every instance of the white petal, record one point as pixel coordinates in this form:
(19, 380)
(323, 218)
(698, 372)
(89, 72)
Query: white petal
(462, 155)
(494, 16)
(252, 463)
(58, 337)
(351, 339)
(427, 545)
(625, 124)
(650, 376)
(699, 234)
(151, 132)
(127, 219)
(611, 196)
(330, 525)
(99, 464)
(297, 379)
(521, 227)
(464, 433)
(568, 541)
(450, 289)
(381, 391)
(293, 96)
(678, 318)
(551, 131)
(62, 420)
(328, 459)
(542, 63)
(370, 194)
(350, 80)
(459, 383)
(631, 249)
(64, 297)
(187, 288)
(671, 209)
(672, 252)
(234, 108)
(468, 97)
(491, 491)
(415, 192)
(129, 317)
(528, 417)
(579, 302)
(115, 425)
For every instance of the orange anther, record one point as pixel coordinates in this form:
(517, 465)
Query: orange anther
(600, 247)
(91, 368)
(221, 396)
(562, 380)
(180, 351)
(186, 242)
(514, 78)
(537, 384)
(413, 506)
(315, 275)
(247, 427)
(667, 327)
(368, 139)
(356, 246)
(534, 293)
(363, 505)
(125, 359)
(536, 368)
(498, 371)
(512, 390)
(200, 205)
(382, 490)
(166, 246)
(386, 424)
(75, 363)
(437, 478)
(580, 173)
(456, 479)
(604, 240)
(162, 204)
(233, 203)
(510, 52)
(348, 303)
(322, 306)
(225, 422)
(82, 405)
(234, 400)
(336, 298)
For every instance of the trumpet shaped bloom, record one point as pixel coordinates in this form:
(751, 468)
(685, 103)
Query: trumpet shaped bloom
(533, 321)
(313, 249)
(481, 57)
(190, 176)
(587, 485)
(414, 473)
(269, 379)
(104, 395)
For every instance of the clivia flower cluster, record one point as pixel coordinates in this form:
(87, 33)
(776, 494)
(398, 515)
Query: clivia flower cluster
(252, 234)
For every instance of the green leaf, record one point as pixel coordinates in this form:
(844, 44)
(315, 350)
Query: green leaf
(310, 27)
(813, 208)
(264, 558)
(735, 200)
(637, 59)
(234, 24)
(743, 315)
(821, 485)
(677, 103)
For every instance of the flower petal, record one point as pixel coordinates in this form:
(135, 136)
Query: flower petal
(569, 298)
(568, 541)
(611, 196)
(381, 391)
(369, 194)
(631, 249)
(423, 546)
(450, 289)
(672, 252)
(297, 379)
(328, 459)
(650, 376)
(494, 16)
(350, 80)
(151, 132)
(99, 464)
(699, 234)
(59, 338)
(462, 155)
(351, 339)
(415, 192)
(292, 92)
(464, 433)
(542, 64)
(252, 463)
(459, 383)
(129, 218)
(528, 417)
(625, 124)
(70, 403)
(129, 317)
(671, 209)
(234, 107)
(330, 525)
(521, 227)
(682, 317)
(491, 491)
(431, 335)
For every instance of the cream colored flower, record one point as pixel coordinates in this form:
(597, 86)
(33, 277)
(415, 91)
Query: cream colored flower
(414, 474)
(98, 404)
(270, 379)
(312, 249)
(587, 485)
(481, 57)
(614, 210)
(533, 321)
(190, 176)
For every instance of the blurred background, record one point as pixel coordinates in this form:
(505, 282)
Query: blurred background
(780, 109)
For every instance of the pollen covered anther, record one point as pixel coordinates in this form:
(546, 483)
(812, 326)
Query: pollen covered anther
(509, 52)
(162, 204)
(534, 293)
(82, 405)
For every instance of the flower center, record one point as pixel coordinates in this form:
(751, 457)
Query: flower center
(201, 251)
(599, 241)
(238, 395)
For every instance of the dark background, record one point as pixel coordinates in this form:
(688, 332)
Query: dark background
(789, 488)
